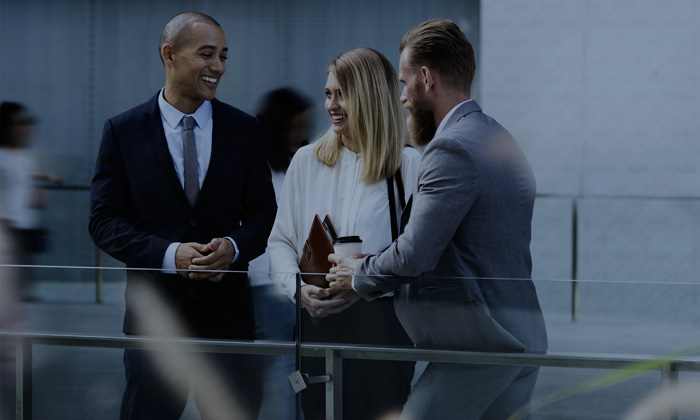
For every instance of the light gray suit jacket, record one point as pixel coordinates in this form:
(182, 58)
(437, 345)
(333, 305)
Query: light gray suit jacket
(463, 265)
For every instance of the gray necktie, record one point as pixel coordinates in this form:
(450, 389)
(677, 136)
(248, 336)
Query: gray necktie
(191, 165)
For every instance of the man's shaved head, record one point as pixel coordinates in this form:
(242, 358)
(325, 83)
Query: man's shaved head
(178, 31)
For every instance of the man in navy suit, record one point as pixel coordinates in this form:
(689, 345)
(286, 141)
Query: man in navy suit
(141, 215)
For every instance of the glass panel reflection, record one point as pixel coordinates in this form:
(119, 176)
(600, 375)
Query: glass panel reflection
(633, 346)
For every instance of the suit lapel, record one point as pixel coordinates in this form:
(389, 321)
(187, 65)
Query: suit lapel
(153, 125)
(218, 144)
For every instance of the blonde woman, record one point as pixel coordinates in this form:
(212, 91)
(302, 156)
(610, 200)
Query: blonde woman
(344, 174)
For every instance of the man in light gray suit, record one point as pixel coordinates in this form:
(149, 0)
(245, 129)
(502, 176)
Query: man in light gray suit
(461, 269)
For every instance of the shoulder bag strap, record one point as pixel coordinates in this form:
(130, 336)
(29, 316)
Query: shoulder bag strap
(392, 208)
(392, 201)
(399, 186)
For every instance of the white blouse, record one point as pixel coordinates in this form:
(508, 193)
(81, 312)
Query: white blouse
(356, 208)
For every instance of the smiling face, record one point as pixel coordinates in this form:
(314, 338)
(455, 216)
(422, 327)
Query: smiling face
(335, 105)
(193, 71)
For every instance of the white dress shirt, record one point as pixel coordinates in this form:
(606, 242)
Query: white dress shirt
(174, 131)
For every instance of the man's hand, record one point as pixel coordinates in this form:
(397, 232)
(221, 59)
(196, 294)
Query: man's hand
(340, 276)
(220, 254)
(320, 303)
(184, 255)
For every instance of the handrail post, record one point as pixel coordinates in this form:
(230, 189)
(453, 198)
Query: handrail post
(23, 379)
(298, 342)
(334, 387)
(574, 259)
(99, 275)
(669, 381)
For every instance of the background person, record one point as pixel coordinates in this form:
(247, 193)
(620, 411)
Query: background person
(344, 174)
(21, 200)
(151, 209)
(468, 234)
(8, 293)
(285, 118)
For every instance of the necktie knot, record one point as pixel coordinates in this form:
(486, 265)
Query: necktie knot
(188, 122)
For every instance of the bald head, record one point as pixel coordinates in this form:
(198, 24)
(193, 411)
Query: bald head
(178, 32)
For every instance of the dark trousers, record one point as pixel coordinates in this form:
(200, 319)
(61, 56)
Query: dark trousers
(371, 388)
(226, 386)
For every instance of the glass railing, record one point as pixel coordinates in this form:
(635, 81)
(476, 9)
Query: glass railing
(455, 342)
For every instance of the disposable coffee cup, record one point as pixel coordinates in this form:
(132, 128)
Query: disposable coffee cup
(347, 245)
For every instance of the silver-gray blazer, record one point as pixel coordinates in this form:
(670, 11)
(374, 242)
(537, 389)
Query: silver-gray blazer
(462, 265)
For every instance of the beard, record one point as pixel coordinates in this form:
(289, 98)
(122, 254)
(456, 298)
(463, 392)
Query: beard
(421, 123)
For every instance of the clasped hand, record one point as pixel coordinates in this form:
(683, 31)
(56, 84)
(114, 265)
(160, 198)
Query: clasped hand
(320, 303)
(339, 296)
(197, 261)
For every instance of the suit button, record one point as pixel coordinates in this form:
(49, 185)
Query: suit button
(193, 222)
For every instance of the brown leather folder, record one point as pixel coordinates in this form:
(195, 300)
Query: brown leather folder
(319, 244)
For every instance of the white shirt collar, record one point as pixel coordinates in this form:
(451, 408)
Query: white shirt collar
(173, 116)
(447, 117)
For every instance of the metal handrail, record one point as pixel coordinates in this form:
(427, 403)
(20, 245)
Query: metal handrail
(333, 355)
(271, 348)
(99, 280)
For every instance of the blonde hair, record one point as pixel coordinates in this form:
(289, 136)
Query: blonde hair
(376, 120)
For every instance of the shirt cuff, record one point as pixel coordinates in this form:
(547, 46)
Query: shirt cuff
(352, 284)
(169, 266)
(235, 248)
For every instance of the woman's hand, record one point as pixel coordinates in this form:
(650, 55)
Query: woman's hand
(320, 303)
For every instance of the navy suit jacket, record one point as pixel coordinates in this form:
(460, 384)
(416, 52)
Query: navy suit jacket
(138, 208)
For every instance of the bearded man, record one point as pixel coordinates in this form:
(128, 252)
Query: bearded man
(461, 268)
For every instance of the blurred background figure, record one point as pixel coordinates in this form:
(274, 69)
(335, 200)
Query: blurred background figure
(8, 292)
(285, 116)
(20, 199)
